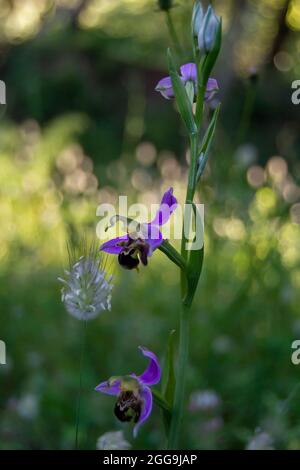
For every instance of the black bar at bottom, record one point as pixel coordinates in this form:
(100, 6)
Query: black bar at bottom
(136, 459)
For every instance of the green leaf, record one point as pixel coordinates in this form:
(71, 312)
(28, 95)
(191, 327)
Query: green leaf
(194, 263)
(168, 378)
(182, 99)
(210, 130)
(207, 141)
(172, 254)
(190, 91)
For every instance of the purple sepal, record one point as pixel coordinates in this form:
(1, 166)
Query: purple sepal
(211, 88)
(167, 206)
(189, 72)
(113, 246)
(152, 373)
(108, 388)
(165, 87)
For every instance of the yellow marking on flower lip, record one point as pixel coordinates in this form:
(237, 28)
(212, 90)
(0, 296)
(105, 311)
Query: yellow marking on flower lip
(130, 384)
(127, 383)
(112, 381)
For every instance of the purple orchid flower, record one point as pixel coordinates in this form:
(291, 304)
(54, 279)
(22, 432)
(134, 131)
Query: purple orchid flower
(140, 243)
(188, 73)
(134, 402)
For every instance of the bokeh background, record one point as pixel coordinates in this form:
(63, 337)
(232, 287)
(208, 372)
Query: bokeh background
(82, 125)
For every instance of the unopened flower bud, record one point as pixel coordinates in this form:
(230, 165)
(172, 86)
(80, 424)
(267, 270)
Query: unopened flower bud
(197, 18)
(208, 31)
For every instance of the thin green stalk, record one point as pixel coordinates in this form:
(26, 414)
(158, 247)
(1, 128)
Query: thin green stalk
(191, 185)
(200, 93)
(177, 411)
(173, 33)
(79, 398)
(193, 259)
(181, 376)
(193, 168)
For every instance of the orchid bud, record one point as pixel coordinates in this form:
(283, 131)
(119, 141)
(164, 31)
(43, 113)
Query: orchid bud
(208, 31)
(165, 4)
(197, 19)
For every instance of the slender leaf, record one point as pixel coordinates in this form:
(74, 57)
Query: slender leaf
(182, 99)
(168, 379)
(207, 141)
(195, 262)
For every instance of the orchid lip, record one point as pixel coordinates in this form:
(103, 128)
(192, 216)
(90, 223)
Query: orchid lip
(133, 392)
(137, 246)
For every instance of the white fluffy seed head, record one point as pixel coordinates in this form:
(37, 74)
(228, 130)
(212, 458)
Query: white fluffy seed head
(87, 287)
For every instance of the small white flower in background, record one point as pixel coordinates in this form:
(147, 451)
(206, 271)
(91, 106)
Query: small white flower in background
(204, 400)
(113, 440)
(87, 286)
(28, 406)
(246, 155)
(261, 441)
(222, 344)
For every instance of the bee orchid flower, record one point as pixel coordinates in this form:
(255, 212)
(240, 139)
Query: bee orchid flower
(188, 73)
(133, 392)
(138, 244)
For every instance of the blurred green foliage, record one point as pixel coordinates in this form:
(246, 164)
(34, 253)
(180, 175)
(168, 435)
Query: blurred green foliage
(82, 125)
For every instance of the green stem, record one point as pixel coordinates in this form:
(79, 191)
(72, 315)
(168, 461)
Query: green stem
(181, 375)
(184, 316)
(173, 33)
(193, 169)
(200, 93)
(78, 408)
(191, 187)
